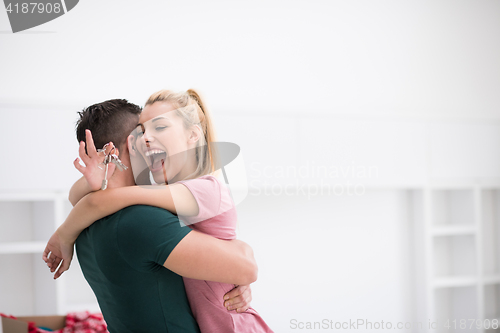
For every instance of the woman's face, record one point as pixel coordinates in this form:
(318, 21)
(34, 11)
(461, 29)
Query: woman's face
(163, 142)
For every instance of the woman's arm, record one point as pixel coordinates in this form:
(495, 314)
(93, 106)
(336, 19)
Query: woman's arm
(79, 189)
(176, 198)
(94, 206)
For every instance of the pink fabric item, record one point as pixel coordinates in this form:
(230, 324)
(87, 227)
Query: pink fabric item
(216, 217)
(84, 322)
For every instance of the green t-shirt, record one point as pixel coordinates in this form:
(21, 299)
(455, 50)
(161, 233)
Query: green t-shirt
(122, 258)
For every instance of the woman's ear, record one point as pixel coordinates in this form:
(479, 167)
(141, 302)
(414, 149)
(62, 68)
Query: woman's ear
(131, 145)
(194, 134)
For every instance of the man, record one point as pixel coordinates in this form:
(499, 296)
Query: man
(130, 258)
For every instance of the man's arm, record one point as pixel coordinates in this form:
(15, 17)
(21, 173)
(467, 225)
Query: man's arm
(203, 257)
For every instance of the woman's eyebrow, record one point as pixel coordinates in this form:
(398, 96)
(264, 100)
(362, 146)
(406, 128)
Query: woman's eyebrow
(159, 118)
(152, 121)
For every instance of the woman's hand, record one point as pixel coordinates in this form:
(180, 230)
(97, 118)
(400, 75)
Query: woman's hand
(238, 299)
(91, 171)
(58, 250)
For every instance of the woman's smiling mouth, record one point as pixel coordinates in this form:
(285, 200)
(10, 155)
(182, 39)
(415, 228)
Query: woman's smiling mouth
(157, 158)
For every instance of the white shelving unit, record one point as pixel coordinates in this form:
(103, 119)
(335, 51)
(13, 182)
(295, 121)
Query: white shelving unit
(490, 284)
(26, 285)
(461, 243)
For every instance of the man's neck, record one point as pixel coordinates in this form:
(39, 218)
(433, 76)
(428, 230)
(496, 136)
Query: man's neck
(125, 177)
(121, 179)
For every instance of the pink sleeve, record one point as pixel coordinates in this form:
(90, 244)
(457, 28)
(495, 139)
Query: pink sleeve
(207, 193)
(217, 214)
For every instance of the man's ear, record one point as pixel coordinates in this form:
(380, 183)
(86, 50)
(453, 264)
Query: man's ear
(195, 134)
(131, 145)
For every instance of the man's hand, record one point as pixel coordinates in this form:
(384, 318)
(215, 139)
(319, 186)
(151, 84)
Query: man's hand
(91, 171)
(238, 299)
(58, 250)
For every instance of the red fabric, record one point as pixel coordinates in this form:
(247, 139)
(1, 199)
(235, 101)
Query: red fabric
(7, 316)
(84, 322)
(76, 322)
(32, 327)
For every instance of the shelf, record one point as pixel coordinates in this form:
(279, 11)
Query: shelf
(27, 287)
(492, 301)
(27, 220)
(453, 282)
(463, 231)
(456, 303)
(454, 230)
(454, 256)
(23, 247)
(491, 231)
(452, 207)
(491, 279)
(29, 196)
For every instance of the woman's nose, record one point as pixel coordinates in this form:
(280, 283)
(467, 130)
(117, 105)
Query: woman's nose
(147, 138)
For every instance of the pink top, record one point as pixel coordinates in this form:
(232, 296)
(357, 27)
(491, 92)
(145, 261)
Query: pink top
(216, 217)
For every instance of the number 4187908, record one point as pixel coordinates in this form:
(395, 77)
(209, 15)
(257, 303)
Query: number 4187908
(34, 7)
(462, 324)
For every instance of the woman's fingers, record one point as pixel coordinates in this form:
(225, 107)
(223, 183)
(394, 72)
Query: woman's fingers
(45, 255)
(78, 166)
(63, 268)
(83, 155)
(51, 261)
(55, 264)
(109, 148)
(91, 151)
(51, 258)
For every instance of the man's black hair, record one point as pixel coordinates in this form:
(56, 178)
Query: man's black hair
(112, 120)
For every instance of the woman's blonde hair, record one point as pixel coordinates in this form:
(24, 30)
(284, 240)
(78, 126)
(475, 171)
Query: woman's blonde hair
(197, 115)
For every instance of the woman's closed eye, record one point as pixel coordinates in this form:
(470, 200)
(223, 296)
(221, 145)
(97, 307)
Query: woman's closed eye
(157, 128)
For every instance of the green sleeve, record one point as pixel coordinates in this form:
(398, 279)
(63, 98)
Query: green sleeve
(146, 235)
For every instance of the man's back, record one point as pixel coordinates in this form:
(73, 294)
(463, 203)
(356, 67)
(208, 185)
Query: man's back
(121, 257)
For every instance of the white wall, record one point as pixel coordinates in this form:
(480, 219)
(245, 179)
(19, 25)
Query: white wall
(434, 58)
(408, 87)
(330, 257)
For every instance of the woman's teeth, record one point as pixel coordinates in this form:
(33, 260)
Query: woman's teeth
(155, 151)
